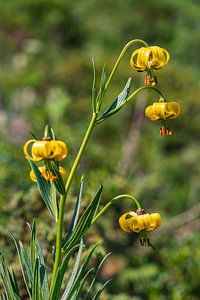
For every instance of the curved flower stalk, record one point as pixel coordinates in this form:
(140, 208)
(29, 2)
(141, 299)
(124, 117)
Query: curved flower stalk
(138, 222)
(54, 188)
(133, 221)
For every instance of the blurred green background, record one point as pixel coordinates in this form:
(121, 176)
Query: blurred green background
(46, 77)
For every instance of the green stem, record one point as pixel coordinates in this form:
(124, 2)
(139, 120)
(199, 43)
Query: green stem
(80, 153)
(64, 197)
(58, 239)
(120, 58)
(104, 209)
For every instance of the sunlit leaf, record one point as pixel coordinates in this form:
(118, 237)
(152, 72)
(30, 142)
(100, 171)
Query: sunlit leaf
(117, 104)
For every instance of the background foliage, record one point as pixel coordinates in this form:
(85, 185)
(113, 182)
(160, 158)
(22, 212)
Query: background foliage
(46, 76)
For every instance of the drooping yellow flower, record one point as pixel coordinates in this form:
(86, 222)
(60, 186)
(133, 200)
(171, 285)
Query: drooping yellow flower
(163, 110)
(47, 175)
(40, 150)
(136, 222)
(147, 58)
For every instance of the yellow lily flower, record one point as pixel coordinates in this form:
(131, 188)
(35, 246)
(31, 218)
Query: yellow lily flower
(146, 58)
(46, 174)
(163, 110)
(136, 222)
(40, 150)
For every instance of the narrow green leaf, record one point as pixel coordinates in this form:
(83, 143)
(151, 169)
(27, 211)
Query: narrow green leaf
(117, 104)
(34, 136)
(9, 283)
(36, 287)
(76, 212)
(96, 274)
(36, 292)
(36, 251)
(26, 262)
(44, 188)
(43, 272)
(33, 244)
(23, 269)
(98, 294)
(84, 222)
(74, 272)
(3, 296)
(94, 87)
(14, 283)
(54, 202)
(76, 296)
(52, 134)
(5, 288)
(56, 288)
(49, 133)
(81, 272)
(5, 278)
(101, 91)
(60, 274)
(58, 182)
(61, 271)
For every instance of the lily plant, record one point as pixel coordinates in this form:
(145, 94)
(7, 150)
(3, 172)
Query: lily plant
(71, 271)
